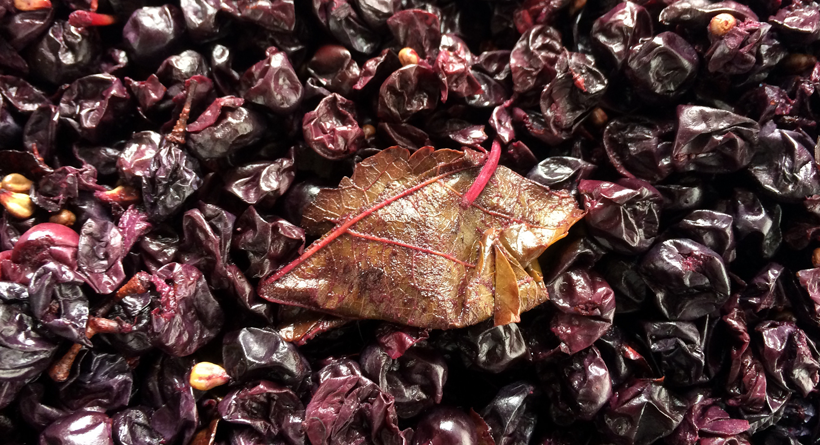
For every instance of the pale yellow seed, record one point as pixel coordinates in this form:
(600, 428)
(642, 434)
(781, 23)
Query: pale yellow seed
(207, 375)
(408, 56)
(64, 217)
(369, 131)
(18, 205)
(16, 182)
(721, 24)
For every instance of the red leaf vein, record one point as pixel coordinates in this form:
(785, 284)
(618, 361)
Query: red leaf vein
(409, 246)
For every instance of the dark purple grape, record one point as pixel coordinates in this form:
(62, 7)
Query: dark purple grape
(79, 428)
(534, 57)
(152, 31)
(493, 348)
(586, 307)
(615, 32)
(331, 129)
(347, 406)
(272, 83)
(65, 53)
(623, 217)
(254, 353)
(641, 412)
(187, 315)
(662, 68)
(710, 140)
(688, 279)
(446, 426)
(91, 105)
(415, 380)
(268, 242)
(640, 148)
(274, 412)
(578, 388)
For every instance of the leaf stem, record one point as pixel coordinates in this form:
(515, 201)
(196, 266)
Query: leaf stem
(484, 176)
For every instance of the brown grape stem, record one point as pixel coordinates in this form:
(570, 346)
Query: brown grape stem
(138, 284)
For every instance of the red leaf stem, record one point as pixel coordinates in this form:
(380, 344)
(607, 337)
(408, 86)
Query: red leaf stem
(484, 176)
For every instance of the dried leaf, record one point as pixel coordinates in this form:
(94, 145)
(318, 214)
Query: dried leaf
(404, 250)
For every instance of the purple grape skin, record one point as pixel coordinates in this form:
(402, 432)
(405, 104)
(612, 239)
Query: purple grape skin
(675, 312)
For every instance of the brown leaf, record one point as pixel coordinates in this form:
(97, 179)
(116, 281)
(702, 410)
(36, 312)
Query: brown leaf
(398, 246)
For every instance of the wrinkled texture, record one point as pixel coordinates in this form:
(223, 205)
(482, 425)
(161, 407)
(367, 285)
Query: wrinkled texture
(273, 411)
(565, 101)
(642, 412)
(415, 380)
(79, 428)
(408, 91)
(235, 129)
(188, 316)
(268, 242)
(348, 408)
(680, 350)
(533, 59)
(256, 353)
(511, 414)
(663, 67)
(101, 380)
(331, 129)
(151, 31)
(361, 294)
(713, 141)
(91, 105)
(417, 29)
(639, 148)
(623, 217)
(25, 352)
(615, 32)
(171, 179)
(493, 348)
(57, 300)
(784, 165)
(578, 387)
(64, 53)
(586, 306)
(688, 279)
(272, 83)
(207, 141)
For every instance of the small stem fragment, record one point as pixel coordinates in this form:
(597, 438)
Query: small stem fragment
(59, 371)
(84, 19)
(138, 284)
(207, 435)
(178, 133)
(484, 176)
(207, 375)
(106, 326)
